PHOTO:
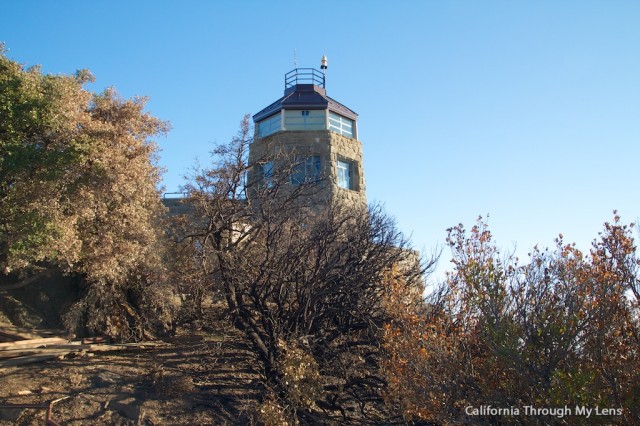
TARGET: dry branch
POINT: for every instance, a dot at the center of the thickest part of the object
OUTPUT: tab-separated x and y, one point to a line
32	343
20	333
14	362
15	353
34	350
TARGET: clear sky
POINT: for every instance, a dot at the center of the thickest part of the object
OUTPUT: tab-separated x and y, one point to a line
528	111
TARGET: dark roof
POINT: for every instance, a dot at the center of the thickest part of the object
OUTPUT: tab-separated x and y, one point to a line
305	96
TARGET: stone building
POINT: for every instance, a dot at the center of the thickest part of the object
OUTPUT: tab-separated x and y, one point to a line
306	142
312	135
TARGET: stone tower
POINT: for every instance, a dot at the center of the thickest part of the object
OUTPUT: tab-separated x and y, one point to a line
316	136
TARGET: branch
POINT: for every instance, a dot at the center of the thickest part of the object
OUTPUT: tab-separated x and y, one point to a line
28	281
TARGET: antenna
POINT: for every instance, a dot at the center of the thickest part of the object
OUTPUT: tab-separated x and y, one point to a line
295	58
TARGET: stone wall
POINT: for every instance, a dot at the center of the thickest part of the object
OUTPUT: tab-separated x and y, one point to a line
330	147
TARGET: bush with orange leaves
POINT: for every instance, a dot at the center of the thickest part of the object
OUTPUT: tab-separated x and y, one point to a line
560	330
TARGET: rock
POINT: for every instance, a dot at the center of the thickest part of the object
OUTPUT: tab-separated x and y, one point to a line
128	407
105	379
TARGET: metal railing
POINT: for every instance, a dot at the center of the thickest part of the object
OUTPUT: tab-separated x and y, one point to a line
304	76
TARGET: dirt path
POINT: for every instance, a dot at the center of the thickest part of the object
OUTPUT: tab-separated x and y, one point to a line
200	377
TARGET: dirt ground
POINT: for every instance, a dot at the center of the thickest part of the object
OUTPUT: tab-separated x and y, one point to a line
200	377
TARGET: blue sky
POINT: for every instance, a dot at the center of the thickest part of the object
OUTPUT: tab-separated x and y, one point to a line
527	111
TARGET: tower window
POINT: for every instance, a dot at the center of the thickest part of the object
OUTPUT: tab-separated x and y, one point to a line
266	174
345	174
306	170
340	124
304	120
269	125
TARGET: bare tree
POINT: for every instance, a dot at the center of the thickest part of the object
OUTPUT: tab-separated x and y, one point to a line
302	281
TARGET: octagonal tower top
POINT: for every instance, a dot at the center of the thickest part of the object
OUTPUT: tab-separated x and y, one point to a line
306	106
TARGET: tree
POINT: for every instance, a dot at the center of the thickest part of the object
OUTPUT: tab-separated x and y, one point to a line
302	283
559	330
612	344
78	188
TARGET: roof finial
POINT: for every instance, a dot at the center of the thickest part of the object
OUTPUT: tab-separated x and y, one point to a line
324	63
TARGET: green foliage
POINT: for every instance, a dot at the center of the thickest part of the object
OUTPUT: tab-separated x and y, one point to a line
78	180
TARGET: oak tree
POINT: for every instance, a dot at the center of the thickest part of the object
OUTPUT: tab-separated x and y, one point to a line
78	191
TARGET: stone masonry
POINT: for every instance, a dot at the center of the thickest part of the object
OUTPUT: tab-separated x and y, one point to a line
330	147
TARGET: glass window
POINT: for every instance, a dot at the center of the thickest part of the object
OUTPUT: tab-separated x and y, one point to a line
345	174
340	124
267	174
304	119
306	170
269	125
